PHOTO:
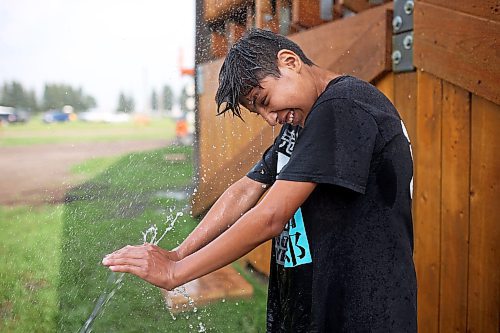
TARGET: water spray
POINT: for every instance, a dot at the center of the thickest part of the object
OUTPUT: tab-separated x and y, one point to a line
115	280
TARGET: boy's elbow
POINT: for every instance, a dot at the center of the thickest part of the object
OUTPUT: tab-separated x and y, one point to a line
273	222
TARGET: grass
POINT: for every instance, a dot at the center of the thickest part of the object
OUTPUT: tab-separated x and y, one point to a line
29	269
94	166
112	210
50	272
37	132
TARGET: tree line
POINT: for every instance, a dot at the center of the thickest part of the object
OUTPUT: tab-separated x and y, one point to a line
56	96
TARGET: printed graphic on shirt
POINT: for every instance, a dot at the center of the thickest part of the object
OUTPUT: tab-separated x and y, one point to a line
292	246
405	132
288	139
297	252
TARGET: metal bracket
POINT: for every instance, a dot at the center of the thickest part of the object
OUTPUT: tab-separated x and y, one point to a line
402	39
326	10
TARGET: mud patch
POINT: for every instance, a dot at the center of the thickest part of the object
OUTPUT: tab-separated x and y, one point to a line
6	310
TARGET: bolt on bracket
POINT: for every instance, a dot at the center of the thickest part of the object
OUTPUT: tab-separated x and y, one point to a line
402	39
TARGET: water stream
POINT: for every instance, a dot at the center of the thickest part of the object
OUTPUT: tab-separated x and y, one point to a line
115	280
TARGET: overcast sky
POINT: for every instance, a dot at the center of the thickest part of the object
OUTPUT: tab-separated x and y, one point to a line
103	46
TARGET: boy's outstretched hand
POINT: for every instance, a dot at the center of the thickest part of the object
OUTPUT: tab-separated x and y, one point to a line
147	261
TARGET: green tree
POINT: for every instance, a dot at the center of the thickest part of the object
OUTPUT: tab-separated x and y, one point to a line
32	102
168	98
125	104
154	101
13	94
55	96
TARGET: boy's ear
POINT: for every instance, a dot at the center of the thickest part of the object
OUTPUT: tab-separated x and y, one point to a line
289	59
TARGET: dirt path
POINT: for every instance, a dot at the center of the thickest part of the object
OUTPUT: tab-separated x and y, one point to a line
41	173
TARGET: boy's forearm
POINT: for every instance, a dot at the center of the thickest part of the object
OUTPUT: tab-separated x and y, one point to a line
263	222
250	231
266	220
232	204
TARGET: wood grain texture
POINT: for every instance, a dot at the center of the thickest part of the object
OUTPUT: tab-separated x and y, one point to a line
386	85
488	9
346	43
306	13
405	101
458	47
484	261
359	5
260	258
227	146
218	44
454	209
428	200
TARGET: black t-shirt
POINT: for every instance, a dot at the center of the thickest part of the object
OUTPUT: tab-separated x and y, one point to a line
344	262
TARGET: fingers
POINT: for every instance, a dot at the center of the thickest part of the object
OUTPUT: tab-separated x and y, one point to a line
130	251
135	270
123	261
140	256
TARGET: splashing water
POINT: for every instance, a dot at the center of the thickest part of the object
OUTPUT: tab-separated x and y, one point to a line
113	283
115	280
191	304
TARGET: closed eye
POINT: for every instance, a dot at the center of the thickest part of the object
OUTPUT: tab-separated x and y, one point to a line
264	101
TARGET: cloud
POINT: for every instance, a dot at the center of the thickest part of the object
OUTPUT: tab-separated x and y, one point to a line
103	46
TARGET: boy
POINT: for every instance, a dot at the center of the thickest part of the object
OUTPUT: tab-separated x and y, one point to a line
338	206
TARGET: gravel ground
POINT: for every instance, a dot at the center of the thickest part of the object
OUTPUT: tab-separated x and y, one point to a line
39	174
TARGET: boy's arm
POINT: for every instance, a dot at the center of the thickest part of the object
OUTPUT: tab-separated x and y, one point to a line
261	223
231	205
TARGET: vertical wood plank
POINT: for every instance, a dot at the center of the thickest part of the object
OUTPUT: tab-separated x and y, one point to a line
405	100
454	208
484	273
427	199
218	43
306	14
386	86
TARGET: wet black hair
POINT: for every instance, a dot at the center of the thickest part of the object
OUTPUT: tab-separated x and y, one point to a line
250	60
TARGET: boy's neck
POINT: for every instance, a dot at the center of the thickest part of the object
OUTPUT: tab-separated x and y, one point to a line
321	77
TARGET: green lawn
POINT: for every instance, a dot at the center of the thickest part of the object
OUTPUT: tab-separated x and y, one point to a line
50	271
37	132
29	267
112	210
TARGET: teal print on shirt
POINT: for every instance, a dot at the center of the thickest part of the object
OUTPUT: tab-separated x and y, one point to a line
297	252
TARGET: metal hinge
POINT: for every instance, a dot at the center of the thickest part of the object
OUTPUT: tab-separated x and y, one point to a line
402	38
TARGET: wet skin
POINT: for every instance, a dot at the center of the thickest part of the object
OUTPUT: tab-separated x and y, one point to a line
236	224
289	97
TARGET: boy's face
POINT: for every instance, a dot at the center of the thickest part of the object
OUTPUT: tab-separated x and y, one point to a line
287	99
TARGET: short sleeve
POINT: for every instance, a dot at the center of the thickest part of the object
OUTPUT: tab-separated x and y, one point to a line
335	146
264	171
